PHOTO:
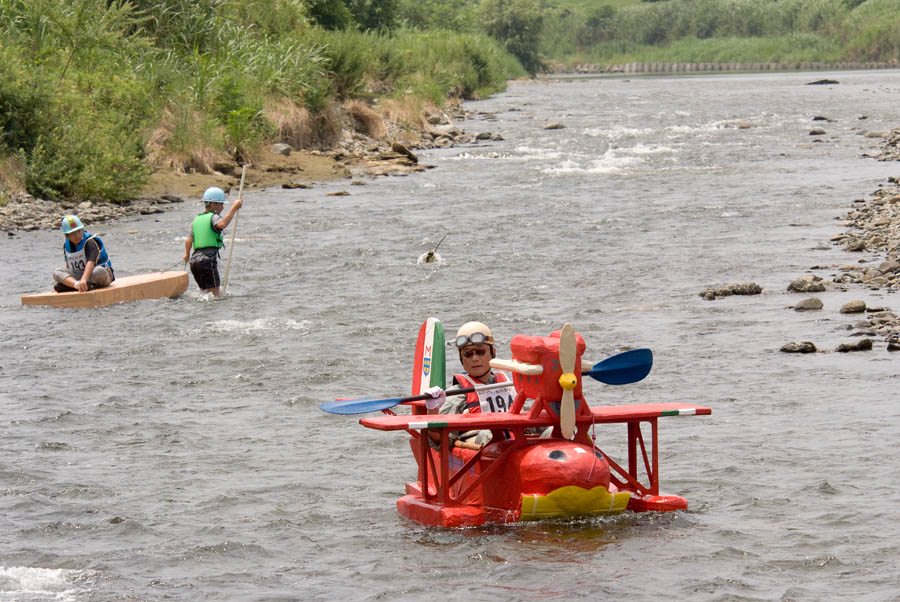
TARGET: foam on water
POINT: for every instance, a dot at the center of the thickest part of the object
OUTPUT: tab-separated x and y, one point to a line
22	584
257	325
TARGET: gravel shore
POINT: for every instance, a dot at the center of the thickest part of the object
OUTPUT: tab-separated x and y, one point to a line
357	156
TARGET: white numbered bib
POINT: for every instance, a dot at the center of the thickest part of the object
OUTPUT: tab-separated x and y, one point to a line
497	400
76	261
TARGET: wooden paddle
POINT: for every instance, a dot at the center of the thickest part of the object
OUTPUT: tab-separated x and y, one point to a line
361	406
234	231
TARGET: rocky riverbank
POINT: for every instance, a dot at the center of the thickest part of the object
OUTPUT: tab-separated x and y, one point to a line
872	231
356	157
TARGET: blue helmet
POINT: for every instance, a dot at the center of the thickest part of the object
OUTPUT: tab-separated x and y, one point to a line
214	194
71	223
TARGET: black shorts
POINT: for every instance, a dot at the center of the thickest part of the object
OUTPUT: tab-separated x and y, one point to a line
205	268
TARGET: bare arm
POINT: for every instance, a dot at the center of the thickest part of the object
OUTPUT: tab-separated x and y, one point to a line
82	285
229	215
187	247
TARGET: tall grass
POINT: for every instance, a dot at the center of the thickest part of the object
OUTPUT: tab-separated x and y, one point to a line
96	93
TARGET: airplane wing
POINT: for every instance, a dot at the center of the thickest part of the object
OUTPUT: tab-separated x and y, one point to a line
503	420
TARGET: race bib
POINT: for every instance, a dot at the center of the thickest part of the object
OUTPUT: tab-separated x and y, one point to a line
497	400
76	262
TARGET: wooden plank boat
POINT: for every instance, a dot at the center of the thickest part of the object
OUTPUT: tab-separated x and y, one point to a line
128	288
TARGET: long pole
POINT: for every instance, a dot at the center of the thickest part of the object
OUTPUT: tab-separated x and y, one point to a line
234	231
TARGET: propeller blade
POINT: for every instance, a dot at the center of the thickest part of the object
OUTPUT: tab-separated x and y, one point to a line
623	368
361	406
568	381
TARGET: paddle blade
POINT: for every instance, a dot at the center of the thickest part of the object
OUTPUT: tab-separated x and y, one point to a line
358	406
623	368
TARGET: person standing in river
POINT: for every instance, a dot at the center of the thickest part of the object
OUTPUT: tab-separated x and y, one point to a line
87	262
206	239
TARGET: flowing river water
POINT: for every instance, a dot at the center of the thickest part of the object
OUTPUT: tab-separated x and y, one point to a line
174	449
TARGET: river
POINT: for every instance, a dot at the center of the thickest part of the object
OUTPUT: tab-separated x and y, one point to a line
174	449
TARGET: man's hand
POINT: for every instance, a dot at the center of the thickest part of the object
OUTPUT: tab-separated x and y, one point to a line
438	397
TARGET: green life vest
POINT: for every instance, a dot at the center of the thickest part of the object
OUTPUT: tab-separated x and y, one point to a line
204	234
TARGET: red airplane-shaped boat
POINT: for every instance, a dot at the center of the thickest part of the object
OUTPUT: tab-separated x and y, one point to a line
520	476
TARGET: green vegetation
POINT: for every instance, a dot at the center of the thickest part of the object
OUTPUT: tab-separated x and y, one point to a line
94	94
723	31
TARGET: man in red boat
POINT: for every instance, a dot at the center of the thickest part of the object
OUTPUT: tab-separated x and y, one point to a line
87	262
475	343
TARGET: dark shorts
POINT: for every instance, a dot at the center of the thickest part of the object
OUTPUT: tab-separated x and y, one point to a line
205	268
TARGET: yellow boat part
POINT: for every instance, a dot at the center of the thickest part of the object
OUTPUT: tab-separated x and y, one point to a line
573	501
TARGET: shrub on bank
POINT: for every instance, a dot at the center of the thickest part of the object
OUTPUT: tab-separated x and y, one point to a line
96	93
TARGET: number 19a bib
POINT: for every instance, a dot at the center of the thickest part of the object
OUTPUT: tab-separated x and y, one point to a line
497	400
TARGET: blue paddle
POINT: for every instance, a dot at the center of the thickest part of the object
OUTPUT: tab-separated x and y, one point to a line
361	406
620	369
623	368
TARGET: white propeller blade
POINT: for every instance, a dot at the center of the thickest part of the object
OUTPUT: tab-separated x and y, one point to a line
568	381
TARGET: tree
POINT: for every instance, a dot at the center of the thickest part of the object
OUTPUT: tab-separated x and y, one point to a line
374	15
329	14
517	24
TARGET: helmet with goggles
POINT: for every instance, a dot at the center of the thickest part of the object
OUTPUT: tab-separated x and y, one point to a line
474	333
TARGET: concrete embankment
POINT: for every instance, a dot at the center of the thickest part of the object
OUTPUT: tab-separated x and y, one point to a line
660	67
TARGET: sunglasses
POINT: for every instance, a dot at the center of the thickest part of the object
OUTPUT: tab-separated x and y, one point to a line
473	352
476	338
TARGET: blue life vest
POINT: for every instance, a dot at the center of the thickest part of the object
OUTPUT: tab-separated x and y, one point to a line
76	259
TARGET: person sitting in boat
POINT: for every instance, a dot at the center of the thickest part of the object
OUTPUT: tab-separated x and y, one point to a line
87	262
475	343
206	239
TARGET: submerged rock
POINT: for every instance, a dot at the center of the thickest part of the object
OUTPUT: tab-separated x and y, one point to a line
746	288
795	347
863	345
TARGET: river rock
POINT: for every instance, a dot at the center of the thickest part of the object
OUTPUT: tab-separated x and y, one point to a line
810	304
889	267
747	288
795	347
863	345
853	307
809	283
400	148
282	149
854	245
